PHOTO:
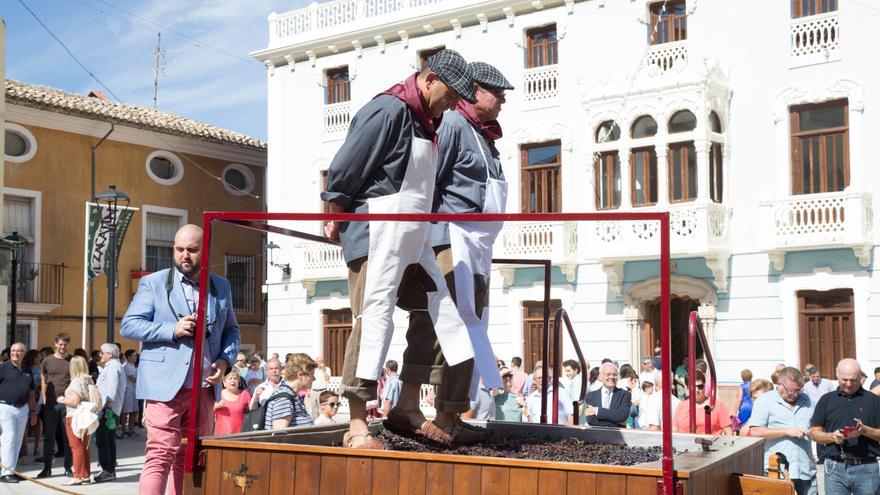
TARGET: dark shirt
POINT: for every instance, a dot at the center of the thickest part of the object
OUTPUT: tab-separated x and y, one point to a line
371	163
57	374
874	384
15	384
835	411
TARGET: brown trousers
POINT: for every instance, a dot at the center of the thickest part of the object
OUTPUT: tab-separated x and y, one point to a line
79	447
423	360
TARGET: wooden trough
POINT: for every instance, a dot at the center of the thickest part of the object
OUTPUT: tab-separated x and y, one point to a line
304	462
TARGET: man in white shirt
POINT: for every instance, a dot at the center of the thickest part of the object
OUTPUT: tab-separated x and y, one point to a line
533	402
265	389
111	384
572	371
322	380
651	407
649	373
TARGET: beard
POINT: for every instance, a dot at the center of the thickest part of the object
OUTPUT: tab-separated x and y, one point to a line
191	269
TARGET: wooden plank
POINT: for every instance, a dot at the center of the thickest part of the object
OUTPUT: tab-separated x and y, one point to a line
412	478
190	480
638	485
234	462
582	484
495	481
760	485
466	479
438	478
523	481
358	476
333	474
282	477
212	471
612	484
308	475
258	464
551	482
386	476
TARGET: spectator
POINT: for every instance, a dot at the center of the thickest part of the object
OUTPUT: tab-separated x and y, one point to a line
846	423
758	388
595	382
95	365
817	386
79	351
743	399
483	405
529	385
129	401
17	405
111	385
508	405
533	401
274	356
651	407
782	416
681	372
629	381
657	358
391	391
229	410
876	380
518	381
31	361
265	389
55	377
610	405
162	315
329	403
719	419
299	373
79	390
572	371
322	380
649	373
701	365
256	374
241	364
4	355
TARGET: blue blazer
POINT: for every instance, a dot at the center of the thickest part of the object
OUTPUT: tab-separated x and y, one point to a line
151	318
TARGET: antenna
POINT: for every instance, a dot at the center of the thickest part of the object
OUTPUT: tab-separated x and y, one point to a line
158	68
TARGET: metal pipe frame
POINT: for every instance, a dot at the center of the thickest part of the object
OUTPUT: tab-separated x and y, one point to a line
562	316
194	461
695	331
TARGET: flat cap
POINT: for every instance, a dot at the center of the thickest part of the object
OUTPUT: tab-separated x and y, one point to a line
488	76
454	71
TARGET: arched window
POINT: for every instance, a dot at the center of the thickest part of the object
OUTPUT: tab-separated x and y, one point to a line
164	167
643	169
238	179
644	126
682	121
714	122
607	181
608	131
20	144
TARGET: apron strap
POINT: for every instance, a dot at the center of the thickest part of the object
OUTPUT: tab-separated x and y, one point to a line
482	152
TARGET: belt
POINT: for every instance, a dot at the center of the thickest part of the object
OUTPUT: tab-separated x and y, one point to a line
854	461
5	403
319	389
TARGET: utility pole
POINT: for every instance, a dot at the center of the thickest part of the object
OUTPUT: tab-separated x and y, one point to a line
158	68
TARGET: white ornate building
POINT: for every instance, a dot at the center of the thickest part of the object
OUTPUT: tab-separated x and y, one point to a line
747	124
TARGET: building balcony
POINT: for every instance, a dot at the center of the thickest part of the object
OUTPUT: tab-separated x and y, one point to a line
554	241
815	39
541	85
337	117
40	288
321	262
818	221
696	230
667	56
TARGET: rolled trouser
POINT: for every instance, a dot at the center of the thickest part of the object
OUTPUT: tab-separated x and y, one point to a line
423	360
13	424
352	387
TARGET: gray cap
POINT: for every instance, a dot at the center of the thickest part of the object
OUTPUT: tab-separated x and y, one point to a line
488	76
454	71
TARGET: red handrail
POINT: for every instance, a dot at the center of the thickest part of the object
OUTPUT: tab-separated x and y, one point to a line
562	316
695	330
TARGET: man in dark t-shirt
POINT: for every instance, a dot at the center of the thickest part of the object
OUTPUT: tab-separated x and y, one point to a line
54	380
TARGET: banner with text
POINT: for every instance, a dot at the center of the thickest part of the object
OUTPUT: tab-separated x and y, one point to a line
98	236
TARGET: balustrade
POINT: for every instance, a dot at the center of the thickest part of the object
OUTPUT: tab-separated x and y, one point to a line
337	117
815	35
541	84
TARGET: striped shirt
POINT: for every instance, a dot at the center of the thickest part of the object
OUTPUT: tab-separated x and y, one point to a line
282	409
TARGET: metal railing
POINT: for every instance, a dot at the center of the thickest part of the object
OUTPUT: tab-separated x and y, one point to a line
562	316
695	330
40	283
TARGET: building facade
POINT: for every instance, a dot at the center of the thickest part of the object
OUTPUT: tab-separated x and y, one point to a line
749	127
171	167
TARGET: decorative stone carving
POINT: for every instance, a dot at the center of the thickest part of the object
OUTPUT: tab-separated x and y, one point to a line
310	286
680	285
537	4
312	56
614	273
831	90
358	48
456	27
270	66
333	48
508	12
484	22
507	275
719	265
428	28
291	62
404	38
569	270
380	42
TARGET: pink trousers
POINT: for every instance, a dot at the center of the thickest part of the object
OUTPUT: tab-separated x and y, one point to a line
166	427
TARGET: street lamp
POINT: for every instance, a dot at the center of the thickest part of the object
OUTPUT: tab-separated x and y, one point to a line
114	200
14	241
285	267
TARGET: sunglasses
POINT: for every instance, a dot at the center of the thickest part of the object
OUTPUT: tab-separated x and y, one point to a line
333	405
699	386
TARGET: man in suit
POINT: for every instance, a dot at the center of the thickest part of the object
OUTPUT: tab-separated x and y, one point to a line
608	406
162	315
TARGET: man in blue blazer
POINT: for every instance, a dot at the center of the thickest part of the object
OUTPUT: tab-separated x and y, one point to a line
162	315
608	406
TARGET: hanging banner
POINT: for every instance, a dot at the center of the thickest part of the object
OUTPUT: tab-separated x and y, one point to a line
98	236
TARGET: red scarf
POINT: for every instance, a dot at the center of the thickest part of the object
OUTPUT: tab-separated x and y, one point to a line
409	93
490	130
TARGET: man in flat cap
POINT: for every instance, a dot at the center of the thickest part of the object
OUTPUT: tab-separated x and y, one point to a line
388	164
469	180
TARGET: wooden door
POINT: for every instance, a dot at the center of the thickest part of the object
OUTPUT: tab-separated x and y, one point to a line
680	310
533	332
826	327
337	329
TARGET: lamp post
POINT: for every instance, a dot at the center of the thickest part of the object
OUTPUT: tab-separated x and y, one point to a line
14	241
113	199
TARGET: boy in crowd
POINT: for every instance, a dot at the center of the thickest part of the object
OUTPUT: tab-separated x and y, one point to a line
328	402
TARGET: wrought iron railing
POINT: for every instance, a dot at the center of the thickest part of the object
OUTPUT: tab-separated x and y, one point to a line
40	283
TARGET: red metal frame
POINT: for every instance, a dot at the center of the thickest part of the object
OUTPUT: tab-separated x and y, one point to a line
259	221
695	330
562	317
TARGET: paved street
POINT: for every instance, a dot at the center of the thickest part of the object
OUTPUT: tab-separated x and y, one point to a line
131	458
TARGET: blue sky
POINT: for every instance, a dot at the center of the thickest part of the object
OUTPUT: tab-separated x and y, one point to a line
228	90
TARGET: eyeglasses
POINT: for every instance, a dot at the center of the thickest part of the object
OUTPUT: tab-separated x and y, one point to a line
332	405
700	386
789	391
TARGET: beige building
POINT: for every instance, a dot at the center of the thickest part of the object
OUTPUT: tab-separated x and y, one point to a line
171	167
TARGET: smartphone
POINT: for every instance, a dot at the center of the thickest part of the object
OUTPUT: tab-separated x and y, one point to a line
847	430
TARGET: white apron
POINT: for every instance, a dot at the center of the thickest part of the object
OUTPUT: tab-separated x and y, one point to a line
393	247
471	244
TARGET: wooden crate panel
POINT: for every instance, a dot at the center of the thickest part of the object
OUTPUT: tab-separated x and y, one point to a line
413	478
523	481
466	479
308	475
234	462
551	482
495	480
358	476
582	483
438	478
282	478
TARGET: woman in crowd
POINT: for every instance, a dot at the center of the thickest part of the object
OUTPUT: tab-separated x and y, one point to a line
229	411
629	380
757	388
31	361
298	376
743	399
78	391
719	417
129	399
508	405
595	384
256	374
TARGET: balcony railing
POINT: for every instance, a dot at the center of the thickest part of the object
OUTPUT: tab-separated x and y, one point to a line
818	221
40	283
322	261
554	241
815	38
541	84
667	55
337	117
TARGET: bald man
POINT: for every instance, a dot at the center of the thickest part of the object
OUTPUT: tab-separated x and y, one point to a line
162	315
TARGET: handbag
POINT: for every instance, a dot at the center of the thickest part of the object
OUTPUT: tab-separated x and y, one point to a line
95	398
